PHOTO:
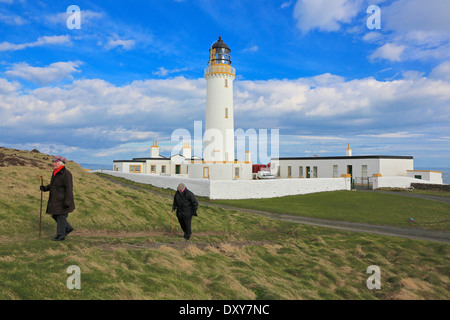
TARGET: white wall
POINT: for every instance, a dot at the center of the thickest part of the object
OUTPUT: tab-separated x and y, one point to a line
255	189
433	177
239	189
395	167
395	182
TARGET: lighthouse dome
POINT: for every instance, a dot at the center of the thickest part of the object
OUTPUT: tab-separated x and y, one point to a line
220	44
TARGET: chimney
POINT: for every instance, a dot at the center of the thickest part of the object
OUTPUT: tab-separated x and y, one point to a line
154	150
187	153
348	152
248	156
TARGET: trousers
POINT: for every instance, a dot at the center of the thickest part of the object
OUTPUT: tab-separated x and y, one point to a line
185	223
61	224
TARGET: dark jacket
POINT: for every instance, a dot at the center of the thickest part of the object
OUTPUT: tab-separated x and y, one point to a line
60	200
185	204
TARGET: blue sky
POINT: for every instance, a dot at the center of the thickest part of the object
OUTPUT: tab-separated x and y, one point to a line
133	73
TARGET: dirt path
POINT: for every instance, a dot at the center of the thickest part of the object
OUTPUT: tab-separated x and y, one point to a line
410	233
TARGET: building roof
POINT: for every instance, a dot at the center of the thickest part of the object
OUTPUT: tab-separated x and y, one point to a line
345	157
141	159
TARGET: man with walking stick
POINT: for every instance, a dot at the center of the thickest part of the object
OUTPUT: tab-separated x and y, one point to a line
186	205
60	200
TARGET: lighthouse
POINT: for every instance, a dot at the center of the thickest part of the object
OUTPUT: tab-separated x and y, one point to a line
219	119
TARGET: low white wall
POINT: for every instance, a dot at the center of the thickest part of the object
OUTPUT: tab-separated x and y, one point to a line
255	189
239	189
199	187
395	182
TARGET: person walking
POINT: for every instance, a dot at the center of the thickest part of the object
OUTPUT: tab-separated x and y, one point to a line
186	205
60	200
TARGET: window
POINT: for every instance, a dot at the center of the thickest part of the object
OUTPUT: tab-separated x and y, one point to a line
300	172
314	172
206	172
236	172
278	171
135	169
289	172
226	113
163	169
417	176
153	168
364	171
226	83
335	171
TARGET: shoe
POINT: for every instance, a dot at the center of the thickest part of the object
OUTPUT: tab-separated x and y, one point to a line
69	231
58	238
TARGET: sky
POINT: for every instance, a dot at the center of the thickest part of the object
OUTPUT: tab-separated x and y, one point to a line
103	83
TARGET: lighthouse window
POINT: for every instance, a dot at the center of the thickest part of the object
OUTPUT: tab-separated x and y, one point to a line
226	112
226	83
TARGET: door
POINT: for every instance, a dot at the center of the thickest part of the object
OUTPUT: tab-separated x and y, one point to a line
350	170
308	172
177	168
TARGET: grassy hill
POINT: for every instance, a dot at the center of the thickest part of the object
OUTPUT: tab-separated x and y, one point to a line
125	249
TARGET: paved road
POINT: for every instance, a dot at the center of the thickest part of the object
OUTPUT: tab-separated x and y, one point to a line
410	233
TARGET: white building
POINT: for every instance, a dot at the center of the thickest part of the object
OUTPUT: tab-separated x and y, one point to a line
362	169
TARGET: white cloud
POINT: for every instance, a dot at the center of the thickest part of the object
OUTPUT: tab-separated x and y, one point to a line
43	75
125	44
251	49
422	26
325	15
394	135
163	72
407	16
389	51
41	41
442	71
286	4
12	19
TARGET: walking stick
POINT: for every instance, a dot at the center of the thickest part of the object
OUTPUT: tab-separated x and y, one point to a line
171	227
40	213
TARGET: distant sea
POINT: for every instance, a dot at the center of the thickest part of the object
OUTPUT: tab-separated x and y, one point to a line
445	173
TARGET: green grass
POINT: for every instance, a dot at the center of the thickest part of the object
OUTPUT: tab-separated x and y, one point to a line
354	206
125	250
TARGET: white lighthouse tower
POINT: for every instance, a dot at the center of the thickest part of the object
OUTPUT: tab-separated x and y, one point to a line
219	119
